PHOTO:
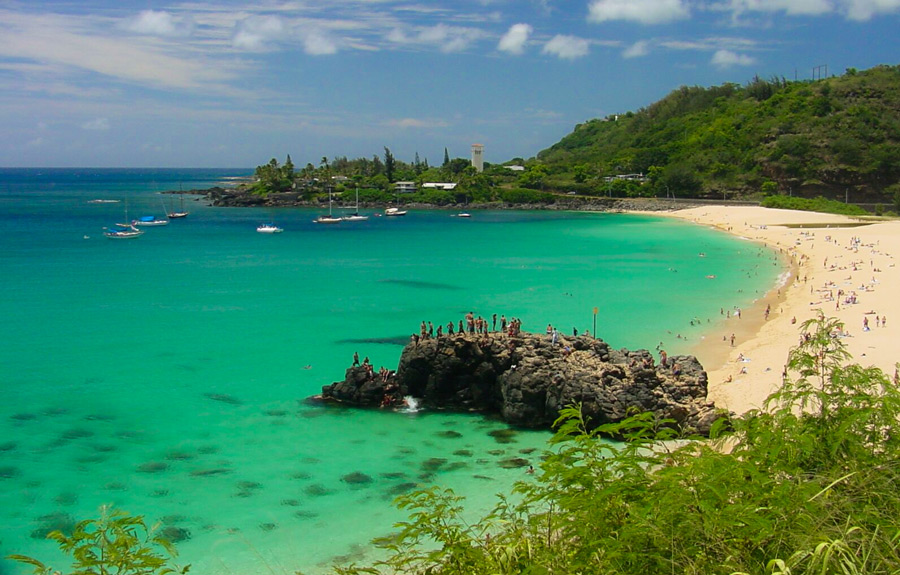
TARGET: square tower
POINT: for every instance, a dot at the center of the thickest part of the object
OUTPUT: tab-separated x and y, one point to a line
478	157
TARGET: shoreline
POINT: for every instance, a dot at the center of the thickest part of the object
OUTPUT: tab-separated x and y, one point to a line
826	255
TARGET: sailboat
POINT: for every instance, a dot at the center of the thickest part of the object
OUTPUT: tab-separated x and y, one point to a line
123	231
329	219
151	220
180	213
356	216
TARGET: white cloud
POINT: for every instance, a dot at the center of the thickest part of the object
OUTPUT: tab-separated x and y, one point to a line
566	47
317	43
60	42
96	125
641	11
862	10
257	33
859	10
513	42
416	123
727	59
155	23
637	50
446	38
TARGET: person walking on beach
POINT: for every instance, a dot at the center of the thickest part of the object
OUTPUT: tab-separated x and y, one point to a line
732	340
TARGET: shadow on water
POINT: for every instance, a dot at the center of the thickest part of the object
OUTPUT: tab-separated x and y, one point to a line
401	340
421	284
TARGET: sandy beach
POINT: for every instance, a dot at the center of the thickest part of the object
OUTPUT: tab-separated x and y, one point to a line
842	266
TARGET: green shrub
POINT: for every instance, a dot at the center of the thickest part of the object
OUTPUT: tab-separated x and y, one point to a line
819	204
115	544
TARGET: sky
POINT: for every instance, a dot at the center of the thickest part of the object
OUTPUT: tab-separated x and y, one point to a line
234	83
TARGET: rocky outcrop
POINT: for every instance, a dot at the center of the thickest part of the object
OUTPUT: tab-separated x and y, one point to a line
527	379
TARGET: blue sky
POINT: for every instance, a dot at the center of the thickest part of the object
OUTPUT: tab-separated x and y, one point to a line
228	83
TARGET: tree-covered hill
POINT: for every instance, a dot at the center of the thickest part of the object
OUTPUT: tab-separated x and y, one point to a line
832	137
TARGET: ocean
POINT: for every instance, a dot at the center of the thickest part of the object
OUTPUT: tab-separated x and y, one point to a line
168	375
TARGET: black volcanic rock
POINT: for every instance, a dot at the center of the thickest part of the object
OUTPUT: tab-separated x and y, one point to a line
527	380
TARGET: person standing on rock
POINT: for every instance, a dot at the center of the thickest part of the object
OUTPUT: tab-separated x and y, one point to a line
663	357
355	358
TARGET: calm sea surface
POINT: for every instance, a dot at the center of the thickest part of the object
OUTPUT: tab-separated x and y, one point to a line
167	375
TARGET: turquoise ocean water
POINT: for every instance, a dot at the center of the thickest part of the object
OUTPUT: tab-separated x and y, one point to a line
167	375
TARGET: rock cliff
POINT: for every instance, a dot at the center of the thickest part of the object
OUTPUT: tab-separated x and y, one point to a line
527	379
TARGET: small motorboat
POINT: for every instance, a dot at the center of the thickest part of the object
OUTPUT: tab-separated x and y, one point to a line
394	212
269	229
463	215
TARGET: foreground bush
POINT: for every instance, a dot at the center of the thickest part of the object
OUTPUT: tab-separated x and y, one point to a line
809	485
115	544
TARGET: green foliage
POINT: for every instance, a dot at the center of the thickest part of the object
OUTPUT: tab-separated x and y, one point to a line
115	544
807	486
523	196
274	178
816	138
813	205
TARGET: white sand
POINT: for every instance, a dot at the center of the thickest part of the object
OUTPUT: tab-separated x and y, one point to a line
858	260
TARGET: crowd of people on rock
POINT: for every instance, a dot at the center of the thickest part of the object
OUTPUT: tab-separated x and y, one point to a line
470	324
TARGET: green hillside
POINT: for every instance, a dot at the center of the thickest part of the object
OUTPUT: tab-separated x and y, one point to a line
834	137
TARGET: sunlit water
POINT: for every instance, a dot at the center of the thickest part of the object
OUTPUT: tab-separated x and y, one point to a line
168	374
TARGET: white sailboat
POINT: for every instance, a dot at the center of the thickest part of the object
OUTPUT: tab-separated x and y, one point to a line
151	220
329	219
179	213
123	231
356	216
